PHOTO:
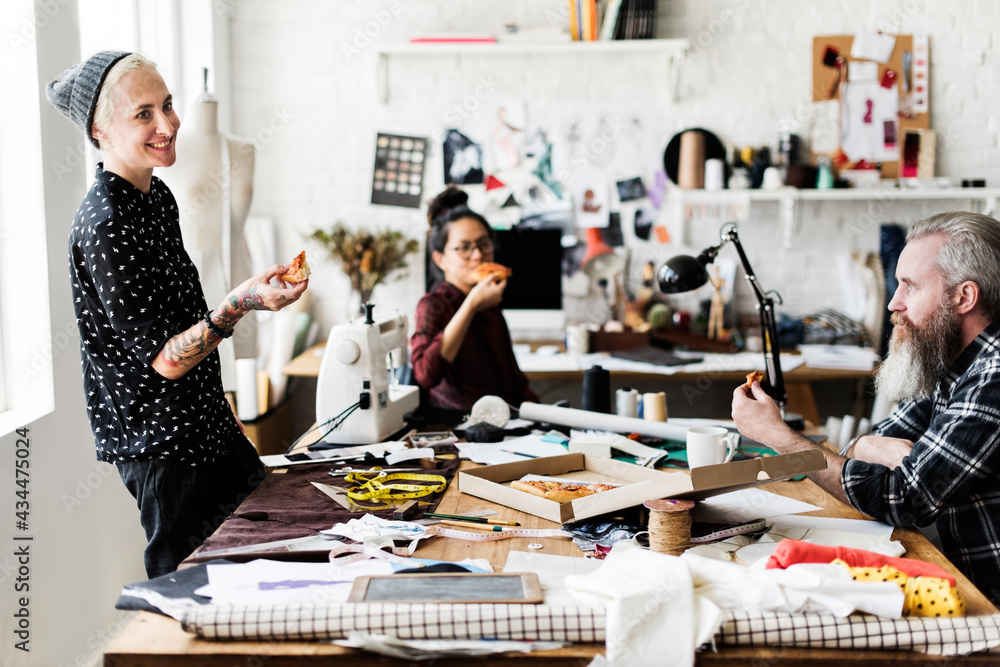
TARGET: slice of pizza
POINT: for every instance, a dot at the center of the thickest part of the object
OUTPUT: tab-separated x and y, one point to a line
298	270
488	269
564	493
754	376
535	487
597	488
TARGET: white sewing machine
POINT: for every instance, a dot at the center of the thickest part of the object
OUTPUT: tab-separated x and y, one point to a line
354	372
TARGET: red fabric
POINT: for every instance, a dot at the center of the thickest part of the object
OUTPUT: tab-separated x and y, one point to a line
485	364
790	552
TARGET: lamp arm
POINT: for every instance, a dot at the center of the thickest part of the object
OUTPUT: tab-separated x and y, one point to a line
768	322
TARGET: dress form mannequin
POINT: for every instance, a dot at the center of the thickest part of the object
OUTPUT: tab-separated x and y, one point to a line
212	181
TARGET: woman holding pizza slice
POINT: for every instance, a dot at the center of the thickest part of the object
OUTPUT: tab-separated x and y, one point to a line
461	346
147	337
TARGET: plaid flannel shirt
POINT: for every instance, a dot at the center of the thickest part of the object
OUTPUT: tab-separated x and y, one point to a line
952	474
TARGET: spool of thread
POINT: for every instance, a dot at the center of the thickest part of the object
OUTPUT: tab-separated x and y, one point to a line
714	174
847	425
627	402
246	389
691	162
669	525
654	406
597	390
833	426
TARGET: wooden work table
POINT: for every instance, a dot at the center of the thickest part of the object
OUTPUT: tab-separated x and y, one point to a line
798	381
151	640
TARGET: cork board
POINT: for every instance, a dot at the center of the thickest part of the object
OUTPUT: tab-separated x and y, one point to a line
825	83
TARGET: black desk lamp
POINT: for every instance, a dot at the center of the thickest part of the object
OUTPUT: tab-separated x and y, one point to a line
684	273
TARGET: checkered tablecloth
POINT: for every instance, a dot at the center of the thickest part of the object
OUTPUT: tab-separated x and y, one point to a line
936	636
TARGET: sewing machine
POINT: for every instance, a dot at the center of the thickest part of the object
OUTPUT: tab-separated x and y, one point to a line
354	385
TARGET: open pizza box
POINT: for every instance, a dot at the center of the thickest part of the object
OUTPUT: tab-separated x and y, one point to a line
638	484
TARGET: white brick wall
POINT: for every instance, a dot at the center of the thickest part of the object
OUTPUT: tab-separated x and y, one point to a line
749	74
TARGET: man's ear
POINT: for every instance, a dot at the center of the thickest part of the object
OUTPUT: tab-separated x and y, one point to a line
98	134
966	297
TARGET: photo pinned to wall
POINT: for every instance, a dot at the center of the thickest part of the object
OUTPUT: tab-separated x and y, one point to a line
644	219
613	234
463	159
397	179
590	200
630	189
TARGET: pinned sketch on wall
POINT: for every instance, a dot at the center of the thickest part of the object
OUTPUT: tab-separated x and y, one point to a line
463	159
613	138
498	126
868	122
397	179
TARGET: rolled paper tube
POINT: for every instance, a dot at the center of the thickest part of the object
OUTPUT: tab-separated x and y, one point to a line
691	162
583	419
654	406
627	403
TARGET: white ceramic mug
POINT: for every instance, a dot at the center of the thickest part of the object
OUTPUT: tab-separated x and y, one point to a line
710	445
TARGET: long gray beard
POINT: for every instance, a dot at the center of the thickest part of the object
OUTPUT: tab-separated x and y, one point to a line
918	358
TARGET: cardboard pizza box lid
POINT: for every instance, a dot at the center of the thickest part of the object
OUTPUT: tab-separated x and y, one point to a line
638	484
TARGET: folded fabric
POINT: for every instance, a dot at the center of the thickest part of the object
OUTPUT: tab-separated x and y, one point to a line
922	596
821	588
647	596
790	552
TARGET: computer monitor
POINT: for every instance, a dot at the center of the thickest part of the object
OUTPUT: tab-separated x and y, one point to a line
533	299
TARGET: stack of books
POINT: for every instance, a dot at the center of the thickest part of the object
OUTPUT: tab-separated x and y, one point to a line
592	20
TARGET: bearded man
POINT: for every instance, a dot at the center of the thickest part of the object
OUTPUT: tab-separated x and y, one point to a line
936	459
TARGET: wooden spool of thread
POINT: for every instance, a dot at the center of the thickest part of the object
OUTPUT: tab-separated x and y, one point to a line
669	525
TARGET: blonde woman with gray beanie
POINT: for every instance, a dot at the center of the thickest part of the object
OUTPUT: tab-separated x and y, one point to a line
150	370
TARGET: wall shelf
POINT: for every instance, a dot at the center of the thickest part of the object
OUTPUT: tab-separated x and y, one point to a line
672	49
849	194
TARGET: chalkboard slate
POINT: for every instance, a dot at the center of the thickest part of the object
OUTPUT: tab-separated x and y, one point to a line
449	587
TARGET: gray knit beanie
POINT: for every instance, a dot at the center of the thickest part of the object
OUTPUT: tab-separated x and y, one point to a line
74	92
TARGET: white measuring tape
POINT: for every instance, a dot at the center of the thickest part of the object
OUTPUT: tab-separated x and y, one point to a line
490	536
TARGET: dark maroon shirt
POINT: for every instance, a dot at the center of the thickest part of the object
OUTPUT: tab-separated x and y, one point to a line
485	363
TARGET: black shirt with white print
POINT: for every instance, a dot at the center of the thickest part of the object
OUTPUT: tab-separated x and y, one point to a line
134	288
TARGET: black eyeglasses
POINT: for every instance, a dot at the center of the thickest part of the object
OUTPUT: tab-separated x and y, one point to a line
464	251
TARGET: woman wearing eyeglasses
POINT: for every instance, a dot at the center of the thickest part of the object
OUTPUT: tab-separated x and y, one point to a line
461	347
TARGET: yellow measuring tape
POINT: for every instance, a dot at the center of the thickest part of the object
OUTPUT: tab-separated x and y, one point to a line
379	484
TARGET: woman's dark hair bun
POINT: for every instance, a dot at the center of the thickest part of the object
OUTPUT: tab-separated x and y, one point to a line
451	197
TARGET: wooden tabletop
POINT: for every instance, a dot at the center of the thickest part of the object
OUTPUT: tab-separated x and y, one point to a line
307	365
151	640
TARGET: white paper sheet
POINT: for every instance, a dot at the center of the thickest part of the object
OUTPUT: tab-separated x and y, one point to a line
872	46
839	356
274	582
857	534
862	70
551	570
747	504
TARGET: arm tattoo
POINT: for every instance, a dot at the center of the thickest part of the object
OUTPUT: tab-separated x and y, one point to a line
189	347
248	300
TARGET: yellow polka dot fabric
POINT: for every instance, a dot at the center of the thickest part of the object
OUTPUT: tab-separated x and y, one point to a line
923	596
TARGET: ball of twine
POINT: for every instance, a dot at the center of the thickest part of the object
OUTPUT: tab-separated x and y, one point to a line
492	410
669	525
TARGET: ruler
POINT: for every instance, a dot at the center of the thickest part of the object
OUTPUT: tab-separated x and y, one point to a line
489	536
